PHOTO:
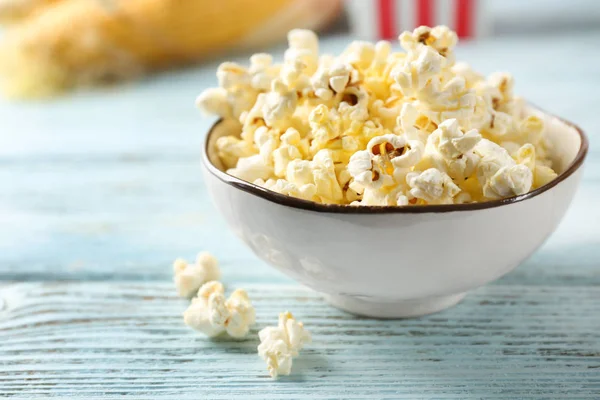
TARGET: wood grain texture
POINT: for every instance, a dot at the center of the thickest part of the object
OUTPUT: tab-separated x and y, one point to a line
101	191
127	340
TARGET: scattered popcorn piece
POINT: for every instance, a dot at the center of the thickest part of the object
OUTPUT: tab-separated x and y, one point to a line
212	314
203	313
278	345
241	314
376	127
189	277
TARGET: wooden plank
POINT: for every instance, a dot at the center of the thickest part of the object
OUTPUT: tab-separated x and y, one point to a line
127	340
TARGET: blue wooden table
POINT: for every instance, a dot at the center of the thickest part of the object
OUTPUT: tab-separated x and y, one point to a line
99	192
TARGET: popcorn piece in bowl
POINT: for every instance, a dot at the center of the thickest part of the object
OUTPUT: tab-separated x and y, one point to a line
212	314
278	345
499	175
376	127
189	277
432	186
450	150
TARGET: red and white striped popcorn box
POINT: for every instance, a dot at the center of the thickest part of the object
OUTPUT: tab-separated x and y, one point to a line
386	19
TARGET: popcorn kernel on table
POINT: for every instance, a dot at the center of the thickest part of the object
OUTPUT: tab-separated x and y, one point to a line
189	277
376	127
212	314
278	345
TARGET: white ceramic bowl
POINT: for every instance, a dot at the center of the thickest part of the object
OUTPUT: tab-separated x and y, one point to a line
392	262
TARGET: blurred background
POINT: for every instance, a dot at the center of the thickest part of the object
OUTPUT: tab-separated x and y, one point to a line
100	139
52	46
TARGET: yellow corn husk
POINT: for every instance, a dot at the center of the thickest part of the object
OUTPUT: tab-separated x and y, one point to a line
13	11
80	42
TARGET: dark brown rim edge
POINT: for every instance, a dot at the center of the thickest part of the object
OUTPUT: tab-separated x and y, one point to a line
294	202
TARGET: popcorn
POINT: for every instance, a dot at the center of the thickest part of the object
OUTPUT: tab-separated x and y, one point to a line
366	173
251	168
214	101
278	345
235	80
354	105
440	38
465	71
531	128
499	175
211	314
463	198
189	277
542	174
262	72
300	172
526	155
504	84
325	179
232	75
324	127
240	314
266	140
382	197
282	157
306	192
508	181
413	76
279	105
452	99
203	314
281	150
303	46
332	80
452	142
376	127
450	150
359	54
385	162
231	149
432	186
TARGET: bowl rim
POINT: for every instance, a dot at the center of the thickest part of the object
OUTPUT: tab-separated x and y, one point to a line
308	205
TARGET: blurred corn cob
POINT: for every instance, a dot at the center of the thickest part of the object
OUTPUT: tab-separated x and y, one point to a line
12	11
83	42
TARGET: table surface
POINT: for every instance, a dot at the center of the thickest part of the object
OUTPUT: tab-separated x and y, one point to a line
100	191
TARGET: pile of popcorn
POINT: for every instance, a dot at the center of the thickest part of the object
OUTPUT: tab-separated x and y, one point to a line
212	314
376	127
